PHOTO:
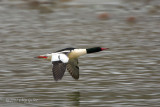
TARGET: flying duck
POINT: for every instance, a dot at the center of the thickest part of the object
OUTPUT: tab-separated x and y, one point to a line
67	58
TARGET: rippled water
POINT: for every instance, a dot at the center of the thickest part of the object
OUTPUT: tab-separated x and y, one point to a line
127	75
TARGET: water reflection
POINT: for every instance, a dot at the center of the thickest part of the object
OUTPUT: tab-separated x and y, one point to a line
74	98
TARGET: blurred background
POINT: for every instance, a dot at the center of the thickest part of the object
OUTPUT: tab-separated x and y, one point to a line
127	75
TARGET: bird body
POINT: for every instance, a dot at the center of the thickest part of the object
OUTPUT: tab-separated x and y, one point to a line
67	58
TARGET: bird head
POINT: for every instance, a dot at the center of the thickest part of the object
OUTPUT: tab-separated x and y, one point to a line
95	49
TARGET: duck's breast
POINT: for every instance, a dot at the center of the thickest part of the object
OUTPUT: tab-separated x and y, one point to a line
77	52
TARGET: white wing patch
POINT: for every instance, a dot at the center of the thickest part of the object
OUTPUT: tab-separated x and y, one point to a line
64	58
59	57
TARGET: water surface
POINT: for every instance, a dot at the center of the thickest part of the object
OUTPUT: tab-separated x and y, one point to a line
127	75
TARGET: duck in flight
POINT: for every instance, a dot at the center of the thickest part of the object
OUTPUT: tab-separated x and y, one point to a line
67	58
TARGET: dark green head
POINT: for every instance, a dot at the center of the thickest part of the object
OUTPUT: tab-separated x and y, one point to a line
95	49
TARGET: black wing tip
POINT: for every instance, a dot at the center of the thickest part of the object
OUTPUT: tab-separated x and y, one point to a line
76	78
57	79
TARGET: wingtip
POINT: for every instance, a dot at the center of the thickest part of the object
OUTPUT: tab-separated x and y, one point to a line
57	79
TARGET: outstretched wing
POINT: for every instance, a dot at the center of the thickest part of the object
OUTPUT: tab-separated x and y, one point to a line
59	62
73	69
58	70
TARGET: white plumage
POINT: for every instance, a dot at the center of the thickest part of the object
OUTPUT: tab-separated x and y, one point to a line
59	57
